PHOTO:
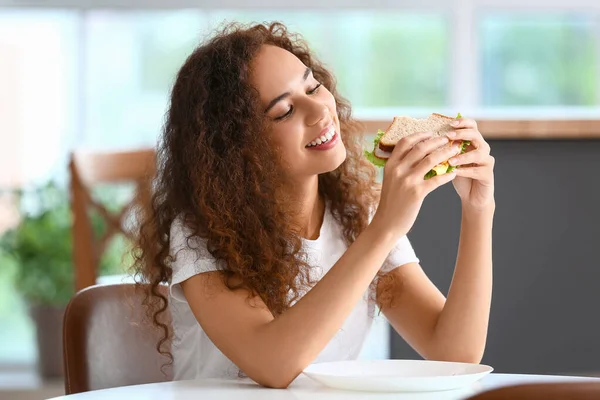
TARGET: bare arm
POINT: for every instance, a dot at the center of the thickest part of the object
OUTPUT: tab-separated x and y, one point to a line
273	351
454	329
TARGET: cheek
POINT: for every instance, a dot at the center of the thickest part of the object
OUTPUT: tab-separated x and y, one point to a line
287	137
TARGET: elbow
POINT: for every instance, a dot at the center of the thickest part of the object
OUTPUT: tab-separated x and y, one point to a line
471	356
276	382
275	370
474	358
471	352
275	379
459	358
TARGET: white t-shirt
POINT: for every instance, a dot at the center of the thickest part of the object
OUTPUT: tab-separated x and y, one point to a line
195	355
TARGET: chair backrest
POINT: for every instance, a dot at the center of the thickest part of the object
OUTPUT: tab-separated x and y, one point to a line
544	391
106	343
90	169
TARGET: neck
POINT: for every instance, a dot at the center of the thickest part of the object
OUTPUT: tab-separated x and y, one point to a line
311	207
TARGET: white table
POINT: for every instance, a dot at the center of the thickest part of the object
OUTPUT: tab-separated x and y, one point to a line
302	388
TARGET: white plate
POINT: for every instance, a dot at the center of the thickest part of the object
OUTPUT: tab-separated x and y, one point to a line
397	375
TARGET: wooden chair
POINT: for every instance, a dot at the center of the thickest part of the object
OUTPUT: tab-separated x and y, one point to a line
88	169
108	343
544	391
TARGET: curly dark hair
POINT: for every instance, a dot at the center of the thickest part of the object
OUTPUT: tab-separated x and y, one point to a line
216	169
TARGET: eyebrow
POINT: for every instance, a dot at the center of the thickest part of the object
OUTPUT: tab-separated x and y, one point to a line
286	94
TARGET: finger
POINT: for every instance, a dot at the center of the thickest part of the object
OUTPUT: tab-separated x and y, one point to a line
478	157
424	148
479	173
464	123
439	180
406	143
435	158
472	135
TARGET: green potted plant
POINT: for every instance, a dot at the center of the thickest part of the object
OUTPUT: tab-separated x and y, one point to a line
41	247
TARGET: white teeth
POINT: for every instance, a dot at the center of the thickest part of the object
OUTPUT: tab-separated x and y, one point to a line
323	139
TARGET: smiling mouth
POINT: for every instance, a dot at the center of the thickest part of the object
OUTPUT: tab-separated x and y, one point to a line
323	138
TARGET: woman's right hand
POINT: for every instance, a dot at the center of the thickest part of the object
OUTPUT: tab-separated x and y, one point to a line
404	186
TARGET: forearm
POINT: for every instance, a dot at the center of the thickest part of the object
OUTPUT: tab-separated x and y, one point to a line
461	329
293	340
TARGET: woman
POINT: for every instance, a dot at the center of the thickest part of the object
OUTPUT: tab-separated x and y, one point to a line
273	234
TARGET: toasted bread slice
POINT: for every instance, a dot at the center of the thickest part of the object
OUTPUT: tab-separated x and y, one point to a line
404	126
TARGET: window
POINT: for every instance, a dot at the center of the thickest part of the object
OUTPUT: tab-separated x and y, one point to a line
380	59
37	99
38	95
131	59
539	60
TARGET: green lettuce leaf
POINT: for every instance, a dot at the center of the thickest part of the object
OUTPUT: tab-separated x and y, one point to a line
380	134
370	155
378	162
430	174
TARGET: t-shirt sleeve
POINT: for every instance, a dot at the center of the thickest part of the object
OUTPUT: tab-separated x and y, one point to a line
189	257
402	253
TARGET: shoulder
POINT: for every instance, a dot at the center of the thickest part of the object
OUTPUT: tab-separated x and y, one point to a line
183	239
188	253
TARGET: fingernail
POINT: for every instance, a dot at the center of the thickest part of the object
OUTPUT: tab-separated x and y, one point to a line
454	123
451	134
452	161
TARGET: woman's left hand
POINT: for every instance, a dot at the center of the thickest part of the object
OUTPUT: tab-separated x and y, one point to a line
474	180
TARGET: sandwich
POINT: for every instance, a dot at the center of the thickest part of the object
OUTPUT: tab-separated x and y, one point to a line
385	141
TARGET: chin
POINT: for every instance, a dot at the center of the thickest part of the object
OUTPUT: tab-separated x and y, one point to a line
334	162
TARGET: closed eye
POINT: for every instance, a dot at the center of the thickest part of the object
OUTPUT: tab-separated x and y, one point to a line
291	109
314	90
287	114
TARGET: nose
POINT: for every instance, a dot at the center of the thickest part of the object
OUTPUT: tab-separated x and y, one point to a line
316	111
